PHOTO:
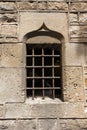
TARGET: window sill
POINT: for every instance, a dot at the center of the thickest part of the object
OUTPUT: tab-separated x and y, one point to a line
39	100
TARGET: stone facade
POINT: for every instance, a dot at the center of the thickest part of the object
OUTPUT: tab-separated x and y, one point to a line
20	17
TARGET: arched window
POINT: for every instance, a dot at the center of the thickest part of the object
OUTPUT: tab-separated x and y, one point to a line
43	64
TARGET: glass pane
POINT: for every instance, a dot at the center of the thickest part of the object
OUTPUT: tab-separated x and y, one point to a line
29	72
38	93
47	52
37	51
57	82
28	50
47	72
29	61
56	60
29	83
47	61
47	82
38	83
29	93
57	71
38	72
38	61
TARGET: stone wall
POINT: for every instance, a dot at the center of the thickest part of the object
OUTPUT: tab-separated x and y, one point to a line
19	17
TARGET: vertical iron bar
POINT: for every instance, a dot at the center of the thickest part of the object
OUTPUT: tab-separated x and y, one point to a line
33	75
43	71
53	73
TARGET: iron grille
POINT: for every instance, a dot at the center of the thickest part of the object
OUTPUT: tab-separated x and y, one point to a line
43	70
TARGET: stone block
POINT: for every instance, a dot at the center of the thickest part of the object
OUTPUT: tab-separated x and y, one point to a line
78	31
48	124
73	18
7	124
9	30
26	124
57	6
79	6
25	110
33	21
74	54
85	92
12	55
18	110
1	111
73	124
73	110
45	110
83	18
73	88
8	6
8	18
31	5
0	29
42	5
9	39
0	53
12	85
85	70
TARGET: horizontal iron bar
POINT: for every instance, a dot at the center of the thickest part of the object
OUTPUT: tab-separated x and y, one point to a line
45	88
52	66
44	77
42	55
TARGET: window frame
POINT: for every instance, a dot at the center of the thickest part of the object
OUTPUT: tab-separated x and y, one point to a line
54	44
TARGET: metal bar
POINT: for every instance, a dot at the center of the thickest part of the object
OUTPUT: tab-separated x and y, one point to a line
45	88
33	76
43	77
43	56
43	66
53	74
43	71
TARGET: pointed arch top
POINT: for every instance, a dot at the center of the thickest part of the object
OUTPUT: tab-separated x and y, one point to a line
44	31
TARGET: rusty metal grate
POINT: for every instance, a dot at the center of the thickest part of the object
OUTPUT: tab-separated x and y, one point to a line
43	70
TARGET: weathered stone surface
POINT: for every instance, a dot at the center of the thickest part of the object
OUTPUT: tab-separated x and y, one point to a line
11	85
33	110
79	6
78	31
26	125
73	110
85	93
7	6
9	30
1	110
73	84
83	18
48	124
42	5
73	124
8	18
73	17
57	6
33	21
12	55
78	39
58	110
7	125
26	5
74	54
0	53
85	82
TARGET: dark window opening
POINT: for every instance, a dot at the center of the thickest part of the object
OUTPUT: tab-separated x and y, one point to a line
43	70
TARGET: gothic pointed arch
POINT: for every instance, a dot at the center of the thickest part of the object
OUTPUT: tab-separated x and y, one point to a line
44	31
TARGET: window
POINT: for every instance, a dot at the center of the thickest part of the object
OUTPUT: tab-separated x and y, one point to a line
43	70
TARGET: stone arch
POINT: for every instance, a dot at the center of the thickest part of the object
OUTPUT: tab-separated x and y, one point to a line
44	31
